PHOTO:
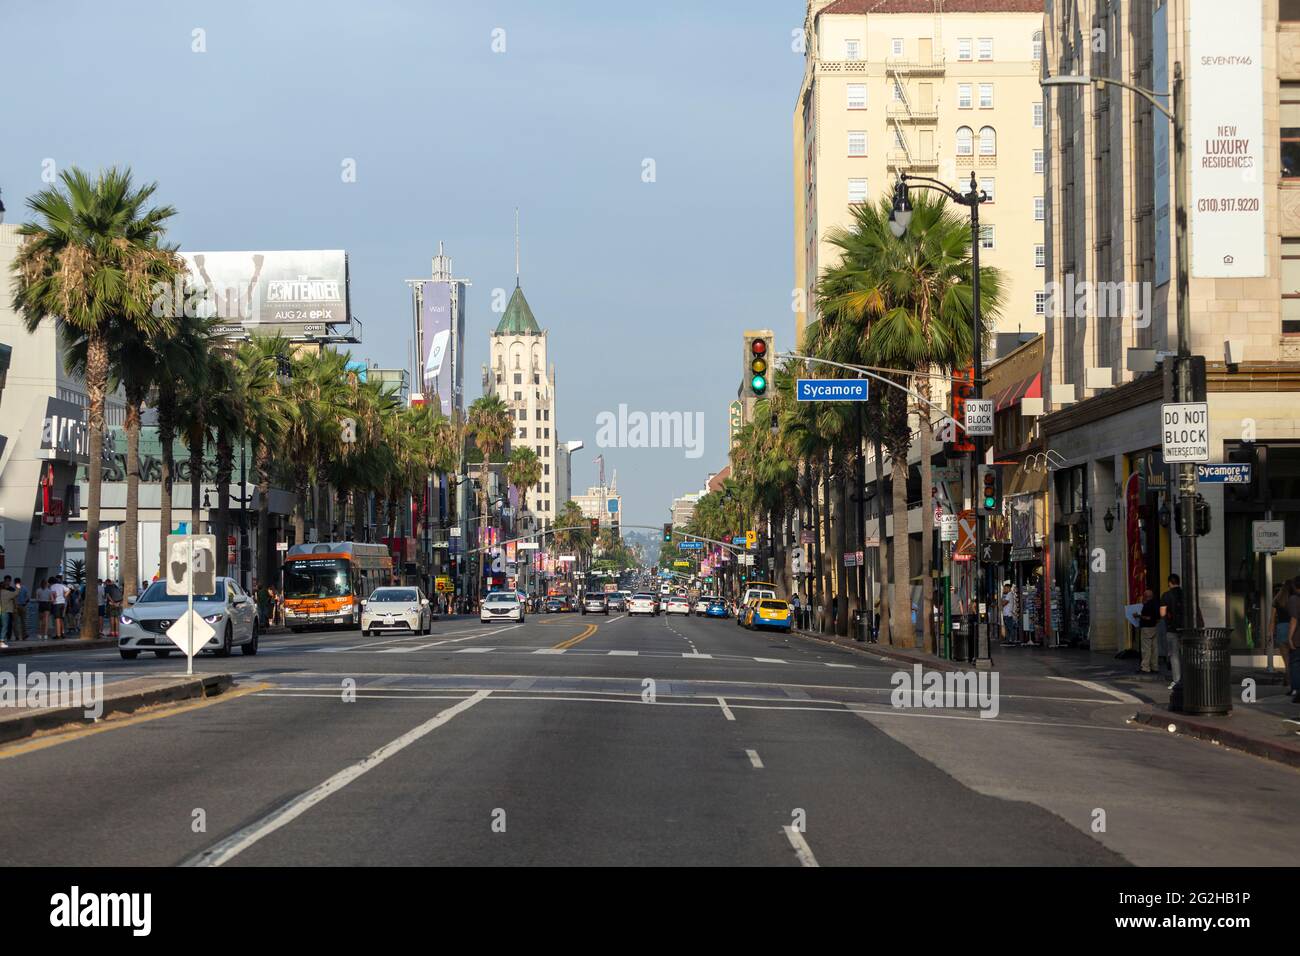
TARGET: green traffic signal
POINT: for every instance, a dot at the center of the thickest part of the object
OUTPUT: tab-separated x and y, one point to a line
759	384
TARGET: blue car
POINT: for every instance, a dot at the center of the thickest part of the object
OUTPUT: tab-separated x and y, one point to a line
716	609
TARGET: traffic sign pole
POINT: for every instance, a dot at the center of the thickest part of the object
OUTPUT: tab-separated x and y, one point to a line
189	611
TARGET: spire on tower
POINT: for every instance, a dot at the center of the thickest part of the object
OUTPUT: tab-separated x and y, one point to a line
516	247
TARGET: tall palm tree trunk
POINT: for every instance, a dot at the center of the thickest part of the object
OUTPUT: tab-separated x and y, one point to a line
166	437
879	550
261	465
830	554
840	522
131	529
221	526
96	385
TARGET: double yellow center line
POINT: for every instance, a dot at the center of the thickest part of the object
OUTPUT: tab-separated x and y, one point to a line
589	630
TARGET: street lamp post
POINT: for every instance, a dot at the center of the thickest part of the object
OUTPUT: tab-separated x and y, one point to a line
899	220
1184	385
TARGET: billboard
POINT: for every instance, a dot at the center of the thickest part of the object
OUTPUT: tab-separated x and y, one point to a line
1226	141
435	337
299	294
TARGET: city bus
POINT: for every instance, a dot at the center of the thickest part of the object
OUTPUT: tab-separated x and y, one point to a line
324	584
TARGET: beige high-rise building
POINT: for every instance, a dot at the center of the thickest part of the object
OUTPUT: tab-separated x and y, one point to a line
1112	312
938	88
520	375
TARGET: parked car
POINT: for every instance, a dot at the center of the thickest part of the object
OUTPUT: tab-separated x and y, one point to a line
396	609
230	612
643	603
501	606
594	603
702	605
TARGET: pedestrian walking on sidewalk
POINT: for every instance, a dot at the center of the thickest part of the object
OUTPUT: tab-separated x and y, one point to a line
43	608
58	605
1148	620
112	605
1280	626
1008	616
7	607
1293	638
1171	622
22	598
797	606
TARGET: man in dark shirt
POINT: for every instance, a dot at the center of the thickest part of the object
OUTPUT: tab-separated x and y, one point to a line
1147	621
1293	608
1171	617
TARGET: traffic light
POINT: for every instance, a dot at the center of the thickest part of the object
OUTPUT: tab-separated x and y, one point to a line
668	533
989	490
595	527
758	364
1200	517
1254	492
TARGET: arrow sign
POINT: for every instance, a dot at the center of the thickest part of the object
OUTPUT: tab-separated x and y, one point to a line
190	641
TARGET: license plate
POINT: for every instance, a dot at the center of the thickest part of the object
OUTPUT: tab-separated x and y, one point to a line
388	619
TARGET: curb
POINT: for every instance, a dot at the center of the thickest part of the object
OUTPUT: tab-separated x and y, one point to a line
52	718
1275	750
883	650
32	646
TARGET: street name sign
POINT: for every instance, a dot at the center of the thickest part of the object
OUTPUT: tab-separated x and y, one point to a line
831	390
527	546
690	546
979	417
1231	473
1268	536
1185	431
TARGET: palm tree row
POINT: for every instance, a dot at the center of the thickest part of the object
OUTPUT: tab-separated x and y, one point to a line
92	260
904	305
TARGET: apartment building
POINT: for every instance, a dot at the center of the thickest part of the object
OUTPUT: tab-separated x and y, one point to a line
938	88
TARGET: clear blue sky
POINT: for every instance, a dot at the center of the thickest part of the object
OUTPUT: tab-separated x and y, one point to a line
644	287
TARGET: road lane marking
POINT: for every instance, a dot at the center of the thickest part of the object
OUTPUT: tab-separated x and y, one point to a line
1119	695
579	638
801	848
474	650
699	656
769	660
753	759
549	650
726	711
113	723
226	850
624	653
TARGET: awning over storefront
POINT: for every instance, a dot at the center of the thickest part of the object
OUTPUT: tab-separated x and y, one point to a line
1023	481
1031	387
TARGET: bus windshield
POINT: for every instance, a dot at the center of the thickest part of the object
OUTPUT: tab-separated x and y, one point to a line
317	578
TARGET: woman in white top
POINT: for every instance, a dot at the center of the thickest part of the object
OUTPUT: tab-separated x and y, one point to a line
59	602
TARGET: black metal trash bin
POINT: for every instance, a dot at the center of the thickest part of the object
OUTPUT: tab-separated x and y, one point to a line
1207	667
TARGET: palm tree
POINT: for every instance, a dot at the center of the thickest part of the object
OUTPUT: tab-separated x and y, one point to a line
491	423
524	470
318	402
266	415
92	262
908	302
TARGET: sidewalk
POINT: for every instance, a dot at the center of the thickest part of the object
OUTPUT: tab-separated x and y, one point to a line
33	646
1261	728
19	720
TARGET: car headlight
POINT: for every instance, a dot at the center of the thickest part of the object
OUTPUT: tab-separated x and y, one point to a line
127	619
214	618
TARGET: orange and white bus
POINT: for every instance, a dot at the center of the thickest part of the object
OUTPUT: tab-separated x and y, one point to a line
324	584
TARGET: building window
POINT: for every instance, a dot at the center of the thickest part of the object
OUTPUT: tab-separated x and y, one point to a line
546	433
986	96
986	48
1038	115
546	487
1040	255
986	186
519	396
1040	303
1290	286
1290	131
965	141
518	379
1037	46
986	235
988	141
857	96
1040	210
963	48
538	433
899	141
523	433
896	46
852	50
857	190
537	378
546	469
857	143
963	96
1038	160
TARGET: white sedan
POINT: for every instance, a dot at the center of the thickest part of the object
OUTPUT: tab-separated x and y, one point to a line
396	609
678	604
501	606
642	604
229	611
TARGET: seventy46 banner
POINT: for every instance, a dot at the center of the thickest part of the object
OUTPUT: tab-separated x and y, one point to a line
1225	139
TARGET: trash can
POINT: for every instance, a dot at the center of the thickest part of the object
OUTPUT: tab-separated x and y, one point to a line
861	624
1207	664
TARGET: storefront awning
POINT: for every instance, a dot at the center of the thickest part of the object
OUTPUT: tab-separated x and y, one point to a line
1022	481
1030	387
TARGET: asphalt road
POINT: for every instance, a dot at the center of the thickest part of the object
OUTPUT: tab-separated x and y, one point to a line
594	740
